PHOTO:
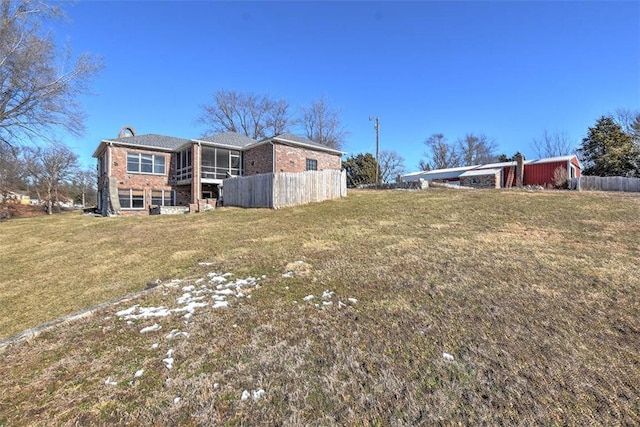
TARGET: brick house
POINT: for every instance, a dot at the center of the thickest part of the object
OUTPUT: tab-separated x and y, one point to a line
138	172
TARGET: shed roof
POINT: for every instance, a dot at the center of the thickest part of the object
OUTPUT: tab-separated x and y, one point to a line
449	173
552	159
481	172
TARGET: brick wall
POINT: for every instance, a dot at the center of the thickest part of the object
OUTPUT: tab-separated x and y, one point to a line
294	159
140	181
258	160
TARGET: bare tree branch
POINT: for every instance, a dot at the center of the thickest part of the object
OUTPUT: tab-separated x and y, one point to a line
440	154
553	145
391	165
39	85
322	124
476	150
256	116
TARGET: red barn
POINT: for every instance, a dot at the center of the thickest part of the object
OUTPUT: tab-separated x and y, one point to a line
541	171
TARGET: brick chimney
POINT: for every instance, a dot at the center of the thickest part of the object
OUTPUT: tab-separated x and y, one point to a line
519	169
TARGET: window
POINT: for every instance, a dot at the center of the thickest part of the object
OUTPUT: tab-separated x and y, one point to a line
183	164
312	165
130	198
146	163
163	198
219	163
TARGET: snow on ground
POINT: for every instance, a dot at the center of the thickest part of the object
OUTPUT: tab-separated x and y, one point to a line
215	291
327	295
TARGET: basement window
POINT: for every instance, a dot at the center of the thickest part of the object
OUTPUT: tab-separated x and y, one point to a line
163	198
312	165
131	198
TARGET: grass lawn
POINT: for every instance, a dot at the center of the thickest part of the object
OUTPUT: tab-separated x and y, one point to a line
533	296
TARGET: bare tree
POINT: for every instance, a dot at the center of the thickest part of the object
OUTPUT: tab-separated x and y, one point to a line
256	116
625	117
322	124
10	172
48	167
85	181
553	145
391	165
476	150
424	165
440	155
39	83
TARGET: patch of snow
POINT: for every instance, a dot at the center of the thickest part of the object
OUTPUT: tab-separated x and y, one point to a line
176	332
308	298
190	307
447	356
245	395
327	294
188	288
127	311
176	400
221	304
224	292
352	300
138	373
341	304
217	279
144	312
326	303
288	275
205	264
154	346
257	394
110	382
152	328
168	361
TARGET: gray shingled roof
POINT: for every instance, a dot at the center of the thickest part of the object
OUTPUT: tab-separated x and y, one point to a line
302	140
151	140
229	139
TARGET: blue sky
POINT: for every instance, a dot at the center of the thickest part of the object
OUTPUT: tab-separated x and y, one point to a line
508	69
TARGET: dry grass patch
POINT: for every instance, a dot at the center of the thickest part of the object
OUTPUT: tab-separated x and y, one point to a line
533	295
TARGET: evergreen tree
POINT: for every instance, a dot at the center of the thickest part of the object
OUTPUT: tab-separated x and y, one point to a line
608	150
361	170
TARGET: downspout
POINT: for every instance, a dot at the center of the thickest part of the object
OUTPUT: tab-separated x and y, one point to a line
273	167
273	157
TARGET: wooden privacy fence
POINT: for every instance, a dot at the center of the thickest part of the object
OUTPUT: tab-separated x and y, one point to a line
283	189
605	183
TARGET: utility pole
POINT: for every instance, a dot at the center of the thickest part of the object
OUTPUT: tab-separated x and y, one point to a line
376	126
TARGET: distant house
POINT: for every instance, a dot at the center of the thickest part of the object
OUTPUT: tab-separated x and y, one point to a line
22	199
503	175
139	172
